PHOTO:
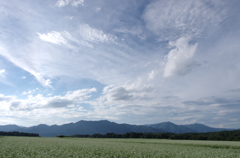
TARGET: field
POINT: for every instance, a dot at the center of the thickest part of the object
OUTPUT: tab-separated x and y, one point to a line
110	148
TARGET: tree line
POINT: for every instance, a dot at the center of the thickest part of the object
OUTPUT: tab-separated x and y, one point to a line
16	133
222	135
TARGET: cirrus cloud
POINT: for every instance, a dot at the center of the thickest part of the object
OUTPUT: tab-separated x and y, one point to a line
173	18
95	35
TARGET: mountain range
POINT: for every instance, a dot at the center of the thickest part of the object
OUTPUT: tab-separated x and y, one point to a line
104	126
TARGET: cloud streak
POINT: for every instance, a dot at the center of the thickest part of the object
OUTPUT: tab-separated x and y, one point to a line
95	35
53	37
64	39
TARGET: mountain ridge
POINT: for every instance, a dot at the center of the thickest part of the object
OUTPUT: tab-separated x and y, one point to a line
105	126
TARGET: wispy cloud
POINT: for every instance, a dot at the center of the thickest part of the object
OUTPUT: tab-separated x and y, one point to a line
63	39
53	37
80	95
173	19
95	35
137	31
27	92
2	72
75	3
24	61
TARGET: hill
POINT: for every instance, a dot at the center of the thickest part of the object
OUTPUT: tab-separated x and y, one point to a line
102	127
192	128
83	127
171	127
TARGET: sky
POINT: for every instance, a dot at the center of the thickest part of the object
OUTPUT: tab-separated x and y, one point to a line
136	62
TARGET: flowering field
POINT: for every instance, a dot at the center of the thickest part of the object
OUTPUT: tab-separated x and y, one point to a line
109	148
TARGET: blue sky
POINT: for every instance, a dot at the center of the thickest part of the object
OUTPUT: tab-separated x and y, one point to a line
135	62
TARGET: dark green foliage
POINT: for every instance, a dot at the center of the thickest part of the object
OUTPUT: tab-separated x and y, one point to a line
16	133
223	135
127	135
61	136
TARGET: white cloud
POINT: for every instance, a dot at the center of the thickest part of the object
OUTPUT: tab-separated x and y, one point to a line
152	75
76	40
5	98
53	37
48	83
172	19
63	39
128	94
27	92
72	98
40	79
75	3
179	59
95	35
80	95
118	94
2	72
4	106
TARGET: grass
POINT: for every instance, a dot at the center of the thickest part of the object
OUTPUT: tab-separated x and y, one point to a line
109	148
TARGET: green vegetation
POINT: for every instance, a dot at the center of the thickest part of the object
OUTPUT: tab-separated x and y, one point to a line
61	136
16	133
223	135
109	148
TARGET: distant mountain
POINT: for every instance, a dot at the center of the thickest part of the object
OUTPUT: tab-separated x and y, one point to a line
200	128
104	126
84	127
192	128
171	127
8	127
143	129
